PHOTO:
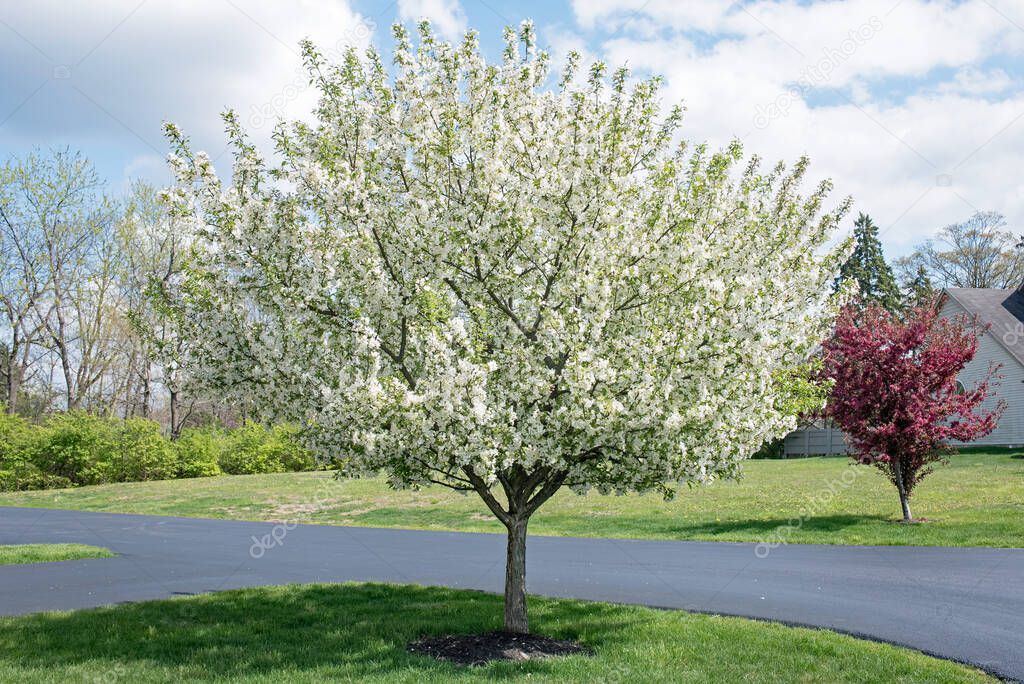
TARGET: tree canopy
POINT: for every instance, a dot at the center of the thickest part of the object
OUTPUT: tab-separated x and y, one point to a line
467	275
978	252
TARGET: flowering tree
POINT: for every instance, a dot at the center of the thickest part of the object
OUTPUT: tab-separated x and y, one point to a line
462	275
895	391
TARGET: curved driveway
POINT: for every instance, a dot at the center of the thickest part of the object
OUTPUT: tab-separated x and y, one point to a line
964	604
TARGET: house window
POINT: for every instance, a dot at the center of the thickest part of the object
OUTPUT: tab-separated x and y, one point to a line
960	389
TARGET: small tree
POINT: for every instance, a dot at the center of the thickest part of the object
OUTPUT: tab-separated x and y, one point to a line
895	392
467	276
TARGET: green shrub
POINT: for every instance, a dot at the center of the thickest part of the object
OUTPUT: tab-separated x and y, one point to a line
20	442
253	449
198	452
244	453
76	448
25	476
79	447
284	441
15	433
86	449
141	452
771	449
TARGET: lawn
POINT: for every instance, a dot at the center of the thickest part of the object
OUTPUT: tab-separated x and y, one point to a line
977	500
359	632
17	554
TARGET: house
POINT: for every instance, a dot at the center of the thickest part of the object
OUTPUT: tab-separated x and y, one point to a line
1002	344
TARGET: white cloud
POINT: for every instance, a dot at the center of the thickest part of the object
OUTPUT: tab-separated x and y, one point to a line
894	101
935	88
974	81
707	15
447	16
110	71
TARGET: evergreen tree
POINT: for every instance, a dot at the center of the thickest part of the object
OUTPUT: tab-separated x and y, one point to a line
866	266
920	290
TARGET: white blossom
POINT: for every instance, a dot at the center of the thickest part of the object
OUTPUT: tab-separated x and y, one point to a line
465	273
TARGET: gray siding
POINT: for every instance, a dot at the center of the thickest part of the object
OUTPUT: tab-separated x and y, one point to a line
1010	387
815	440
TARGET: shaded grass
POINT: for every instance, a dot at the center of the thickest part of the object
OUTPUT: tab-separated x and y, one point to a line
977	500
359	632
16	554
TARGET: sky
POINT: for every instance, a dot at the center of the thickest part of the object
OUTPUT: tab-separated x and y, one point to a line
915	108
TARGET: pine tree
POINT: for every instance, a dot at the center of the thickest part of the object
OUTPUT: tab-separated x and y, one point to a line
866	266
920	290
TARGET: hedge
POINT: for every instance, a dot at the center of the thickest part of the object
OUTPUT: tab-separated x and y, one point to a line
74	449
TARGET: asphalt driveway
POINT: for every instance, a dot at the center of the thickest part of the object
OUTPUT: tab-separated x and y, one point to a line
964	604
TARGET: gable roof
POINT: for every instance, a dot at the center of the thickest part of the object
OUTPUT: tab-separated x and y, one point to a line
1003	310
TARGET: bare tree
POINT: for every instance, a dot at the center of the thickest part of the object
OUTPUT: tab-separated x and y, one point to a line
83	305
978	252
69	223
24	276
152	244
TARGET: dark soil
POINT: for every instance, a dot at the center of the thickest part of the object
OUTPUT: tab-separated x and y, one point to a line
480	649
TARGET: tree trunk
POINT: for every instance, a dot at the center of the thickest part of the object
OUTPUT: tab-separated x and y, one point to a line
146	392
175	428
897	468
15	374
515	579
12	388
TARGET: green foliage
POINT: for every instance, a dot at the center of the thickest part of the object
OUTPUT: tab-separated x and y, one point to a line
284	441
77	448
920	290
85	449
141	452
14	431
772	449
866	266
254	449
199	452
244	452
801	393
20	441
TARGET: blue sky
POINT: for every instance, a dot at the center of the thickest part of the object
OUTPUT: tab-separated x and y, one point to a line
913	107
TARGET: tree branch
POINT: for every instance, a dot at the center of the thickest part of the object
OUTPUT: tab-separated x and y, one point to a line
485	493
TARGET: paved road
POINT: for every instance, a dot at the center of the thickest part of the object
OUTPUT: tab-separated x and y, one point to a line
964	604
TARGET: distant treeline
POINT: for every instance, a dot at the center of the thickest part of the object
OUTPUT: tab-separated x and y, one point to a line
81	277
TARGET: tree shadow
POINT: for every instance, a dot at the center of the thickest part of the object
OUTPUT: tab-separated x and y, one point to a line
768	526
351	631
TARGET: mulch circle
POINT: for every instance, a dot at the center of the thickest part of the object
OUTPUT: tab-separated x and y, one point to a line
480	649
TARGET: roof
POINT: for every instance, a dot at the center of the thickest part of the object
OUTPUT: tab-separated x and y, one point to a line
1003	310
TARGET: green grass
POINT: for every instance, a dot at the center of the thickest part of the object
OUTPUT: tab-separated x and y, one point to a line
17	554
976	500
358	632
